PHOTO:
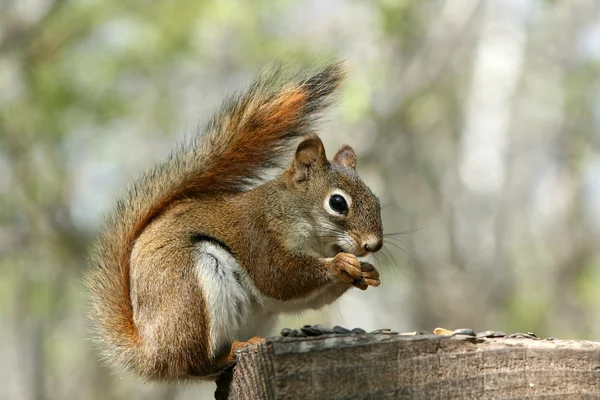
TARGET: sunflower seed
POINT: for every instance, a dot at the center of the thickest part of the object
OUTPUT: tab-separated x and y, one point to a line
323	329
341	330
285	331
464	331
311	331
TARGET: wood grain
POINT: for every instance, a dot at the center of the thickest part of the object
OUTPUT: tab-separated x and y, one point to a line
417	367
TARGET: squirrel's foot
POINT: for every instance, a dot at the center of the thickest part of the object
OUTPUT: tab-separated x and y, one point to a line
253	341
229	358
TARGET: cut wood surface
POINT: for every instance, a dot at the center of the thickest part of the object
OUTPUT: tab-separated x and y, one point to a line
415	367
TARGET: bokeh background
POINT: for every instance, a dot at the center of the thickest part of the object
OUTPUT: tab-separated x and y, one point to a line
476	122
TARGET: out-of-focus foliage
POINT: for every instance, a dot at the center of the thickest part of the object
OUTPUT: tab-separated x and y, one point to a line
476	122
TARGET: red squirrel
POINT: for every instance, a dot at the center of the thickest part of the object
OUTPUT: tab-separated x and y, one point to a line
202	254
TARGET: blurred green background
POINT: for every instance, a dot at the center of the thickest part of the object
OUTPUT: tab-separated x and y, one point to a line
476	122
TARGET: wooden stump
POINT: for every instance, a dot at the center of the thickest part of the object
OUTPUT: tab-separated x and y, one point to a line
415	367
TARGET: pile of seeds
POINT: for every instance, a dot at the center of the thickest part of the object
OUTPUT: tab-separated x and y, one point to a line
318	330
484	334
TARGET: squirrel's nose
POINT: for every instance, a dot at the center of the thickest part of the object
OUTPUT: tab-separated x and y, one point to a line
373	244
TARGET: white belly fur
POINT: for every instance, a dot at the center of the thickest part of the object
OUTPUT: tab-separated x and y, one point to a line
236	308
232	311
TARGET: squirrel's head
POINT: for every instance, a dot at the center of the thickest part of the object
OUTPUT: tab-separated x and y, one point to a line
340	212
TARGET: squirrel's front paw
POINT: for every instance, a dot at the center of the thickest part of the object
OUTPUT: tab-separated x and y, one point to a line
346	267
369	276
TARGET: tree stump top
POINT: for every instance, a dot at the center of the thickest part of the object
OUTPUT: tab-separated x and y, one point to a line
416	367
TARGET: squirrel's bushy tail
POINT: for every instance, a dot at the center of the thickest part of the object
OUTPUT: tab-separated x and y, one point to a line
253	131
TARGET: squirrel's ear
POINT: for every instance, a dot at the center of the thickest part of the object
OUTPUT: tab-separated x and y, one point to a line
309	154
346	157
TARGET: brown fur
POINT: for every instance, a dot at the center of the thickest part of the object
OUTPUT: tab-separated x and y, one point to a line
146	305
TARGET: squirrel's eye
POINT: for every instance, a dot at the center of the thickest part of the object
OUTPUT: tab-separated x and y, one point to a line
338	204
